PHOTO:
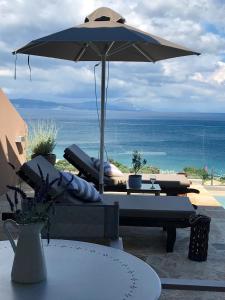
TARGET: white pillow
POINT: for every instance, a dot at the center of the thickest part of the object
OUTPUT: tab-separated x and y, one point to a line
110	170
82	189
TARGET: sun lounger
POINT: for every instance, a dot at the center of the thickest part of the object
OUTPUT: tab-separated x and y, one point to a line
73	219
171	184
169	212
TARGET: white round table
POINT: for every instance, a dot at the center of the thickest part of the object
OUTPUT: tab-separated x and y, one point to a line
82	271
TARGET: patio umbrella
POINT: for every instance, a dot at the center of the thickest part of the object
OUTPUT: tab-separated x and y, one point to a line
104	36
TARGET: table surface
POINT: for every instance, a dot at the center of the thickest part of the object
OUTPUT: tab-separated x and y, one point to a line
82	271
146	187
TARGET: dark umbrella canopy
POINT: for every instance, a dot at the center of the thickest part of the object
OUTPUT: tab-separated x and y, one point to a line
104	36
104	33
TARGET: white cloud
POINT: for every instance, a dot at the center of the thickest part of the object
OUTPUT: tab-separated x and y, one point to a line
215	77
4	47
6	72
198	77
219	74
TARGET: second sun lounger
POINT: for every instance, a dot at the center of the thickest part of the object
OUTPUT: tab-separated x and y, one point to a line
171	184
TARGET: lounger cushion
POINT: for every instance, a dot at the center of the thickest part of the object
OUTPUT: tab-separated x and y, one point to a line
110	169
171	180
82	189
153	207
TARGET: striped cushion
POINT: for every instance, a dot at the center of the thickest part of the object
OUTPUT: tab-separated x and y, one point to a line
110	170
82	189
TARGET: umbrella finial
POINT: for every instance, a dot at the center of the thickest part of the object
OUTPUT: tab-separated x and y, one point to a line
104	14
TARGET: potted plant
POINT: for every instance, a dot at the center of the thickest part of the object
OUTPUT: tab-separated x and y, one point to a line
137	163
30	218
42	139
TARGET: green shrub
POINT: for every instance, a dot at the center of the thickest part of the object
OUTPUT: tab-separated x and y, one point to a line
222	179
197	172
137	162
42	137
147	169
123	168
150	170
64	165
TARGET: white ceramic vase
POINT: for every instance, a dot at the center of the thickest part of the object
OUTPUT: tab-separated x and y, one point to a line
29	260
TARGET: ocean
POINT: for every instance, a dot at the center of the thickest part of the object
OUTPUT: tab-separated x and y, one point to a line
168	141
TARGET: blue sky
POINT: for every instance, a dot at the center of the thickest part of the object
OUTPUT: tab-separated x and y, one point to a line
188	84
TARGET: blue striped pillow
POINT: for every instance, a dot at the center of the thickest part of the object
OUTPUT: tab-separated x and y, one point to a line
82	189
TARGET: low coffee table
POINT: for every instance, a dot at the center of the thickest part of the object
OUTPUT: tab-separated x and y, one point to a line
146	188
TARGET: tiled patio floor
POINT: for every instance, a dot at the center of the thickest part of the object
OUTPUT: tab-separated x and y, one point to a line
149	245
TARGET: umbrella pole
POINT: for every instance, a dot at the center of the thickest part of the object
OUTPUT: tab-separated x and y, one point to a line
102	128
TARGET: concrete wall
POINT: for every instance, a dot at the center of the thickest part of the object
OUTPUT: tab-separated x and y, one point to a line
11	127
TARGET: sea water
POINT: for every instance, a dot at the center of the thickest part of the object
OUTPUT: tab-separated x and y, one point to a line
168	141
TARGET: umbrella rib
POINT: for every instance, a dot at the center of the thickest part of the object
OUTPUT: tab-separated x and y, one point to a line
81	53
149	58
109	48
119	49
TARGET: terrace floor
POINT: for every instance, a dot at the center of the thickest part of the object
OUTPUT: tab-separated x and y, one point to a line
149	245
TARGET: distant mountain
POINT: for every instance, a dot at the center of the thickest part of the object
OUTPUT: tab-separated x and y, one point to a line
85	105
30	103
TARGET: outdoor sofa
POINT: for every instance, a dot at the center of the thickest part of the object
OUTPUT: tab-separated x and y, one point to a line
168	212
171	184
